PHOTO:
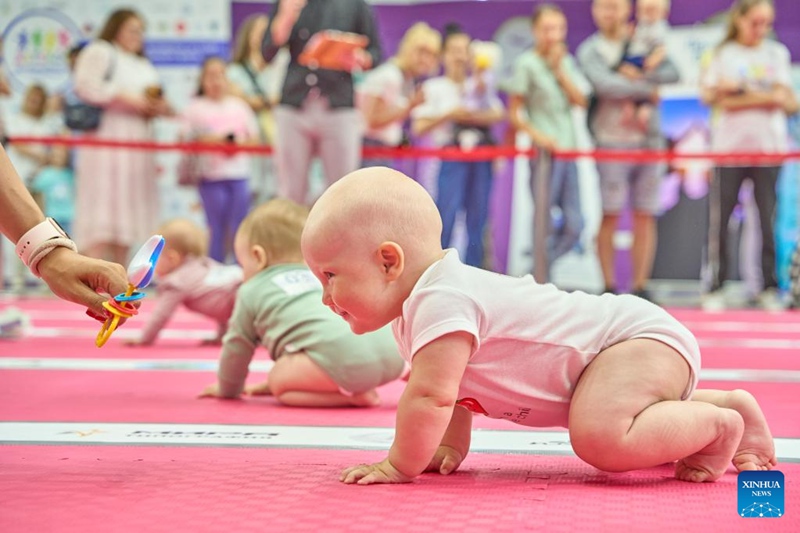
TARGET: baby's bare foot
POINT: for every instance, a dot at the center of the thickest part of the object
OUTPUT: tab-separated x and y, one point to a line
710	463
366	399
756	450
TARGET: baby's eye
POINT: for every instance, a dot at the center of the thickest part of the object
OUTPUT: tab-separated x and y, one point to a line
328	275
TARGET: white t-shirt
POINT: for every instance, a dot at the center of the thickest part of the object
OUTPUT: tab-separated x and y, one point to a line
387	83
442	95
758	68
204	116
531	341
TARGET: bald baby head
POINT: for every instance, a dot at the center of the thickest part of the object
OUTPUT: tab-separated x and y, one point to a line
374	205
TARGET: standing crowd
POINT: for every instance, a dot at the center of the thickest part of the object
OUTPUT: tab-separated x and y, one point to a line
440	89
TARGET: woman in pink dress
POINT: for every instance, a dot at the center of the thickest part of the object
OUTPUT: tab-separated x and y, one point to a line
117	195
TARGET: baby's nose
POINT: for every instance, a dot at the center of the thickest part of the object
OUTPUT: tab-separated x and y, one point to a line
326	298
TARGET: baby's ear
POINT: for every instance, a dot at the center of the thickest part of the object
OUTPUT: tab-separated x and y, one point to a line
260	255
392	260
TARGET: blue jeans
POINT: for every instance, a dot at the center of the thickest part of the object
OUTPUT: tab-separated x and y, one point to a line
564	194
465	185
226	203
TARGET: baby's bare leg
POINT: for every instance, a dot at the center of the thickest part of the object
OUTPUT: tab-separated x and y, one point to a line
756	450
297	380
626	414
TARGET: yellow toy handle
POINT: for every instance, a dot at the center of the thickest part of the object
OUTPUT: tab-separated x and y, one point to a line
111	323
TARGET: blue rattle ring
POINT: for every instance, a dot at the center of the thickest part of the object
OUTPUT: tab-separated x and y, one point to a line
122	297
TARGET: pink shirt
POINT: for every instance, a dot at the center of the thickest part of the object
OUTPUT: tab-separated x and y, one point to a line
204	116
203	286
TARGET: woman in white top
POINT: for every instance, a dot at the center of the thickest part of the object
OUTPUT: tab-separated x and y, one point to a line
217	117
748	83
117	195
461	185
389	93
259	84
32	120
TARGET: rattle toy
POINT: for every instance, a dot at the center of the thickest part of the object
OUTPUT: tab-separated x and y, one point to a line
140	272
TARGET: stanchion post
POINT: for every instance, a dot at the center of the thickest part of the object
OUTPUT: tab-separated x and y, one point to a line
541	215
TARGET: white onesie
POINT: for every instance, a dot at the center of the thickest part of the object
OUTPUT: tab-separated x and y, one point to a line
531	341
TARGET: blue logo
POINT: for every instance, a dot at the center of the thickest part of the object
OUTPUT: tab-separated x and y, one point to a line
761	494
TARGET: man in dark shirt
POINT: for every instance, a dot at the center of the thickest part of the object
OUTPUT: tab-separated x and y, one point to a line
316	115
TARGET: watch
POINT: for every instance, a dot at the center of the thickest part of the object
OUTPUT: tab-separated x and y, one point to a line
38	241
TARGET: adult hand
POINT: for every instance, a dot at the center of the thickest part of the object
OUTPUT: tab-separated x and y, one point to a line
632	72
445	461
77	278
555	55
291	9
359	59
545	142
382	472
655	58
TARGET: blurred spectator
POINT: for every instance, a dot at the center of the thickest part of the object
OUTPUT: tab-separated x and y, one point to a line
316	115
55	184
390	92
117	196
461	184
646	49
217	117
748	84
617	86
545	85
32	120
259	84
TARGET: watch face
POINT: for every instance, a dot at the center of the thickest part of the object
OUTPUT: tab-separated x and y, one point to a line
55	223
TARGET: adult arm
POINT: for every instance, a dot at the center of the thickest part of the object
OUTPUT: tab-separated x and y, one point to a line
608	83
283	18
69	275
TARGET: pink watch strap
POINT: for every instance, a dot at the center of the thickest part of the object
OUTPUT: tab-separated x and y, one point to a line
32	239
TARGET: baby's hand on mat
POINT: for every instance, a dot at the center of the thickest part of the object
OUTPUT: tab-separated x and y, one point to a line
382	472
262	389
445	461
212	391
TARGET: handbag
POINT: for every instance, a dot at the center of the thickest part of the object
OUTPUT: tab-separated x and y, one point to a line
82	116
266	120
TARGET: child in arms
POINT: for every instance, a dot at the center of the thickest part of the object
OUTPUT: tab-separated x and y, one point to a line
619	372
319	362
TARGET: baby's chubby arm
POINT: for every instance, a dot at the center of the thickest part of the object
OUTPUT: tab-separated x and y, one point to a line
424	413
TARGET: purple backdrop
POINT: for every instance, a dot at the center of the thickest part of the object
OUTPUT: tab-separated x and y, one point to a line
482	18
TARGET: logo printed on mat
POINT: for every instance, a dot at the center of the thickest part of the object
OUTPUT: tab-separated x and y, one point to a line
761	494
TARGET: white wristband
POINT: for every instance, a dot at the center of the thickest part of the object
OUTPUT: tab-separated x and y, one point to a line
45	248
39	241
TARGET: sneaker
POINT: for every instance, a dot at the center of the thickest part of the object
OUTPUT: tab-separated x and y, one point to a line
713	302
13	323
770	300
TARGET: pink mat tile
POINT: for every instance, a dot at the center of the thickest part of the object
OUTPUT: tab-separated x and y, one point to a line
154	489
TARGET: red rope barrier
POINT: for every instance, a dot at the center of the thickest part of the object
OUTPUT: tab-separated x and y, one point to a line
479	153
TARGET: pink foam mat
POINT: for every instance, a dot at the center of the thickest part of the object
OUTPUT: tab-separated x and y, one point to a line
157	489
164	396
